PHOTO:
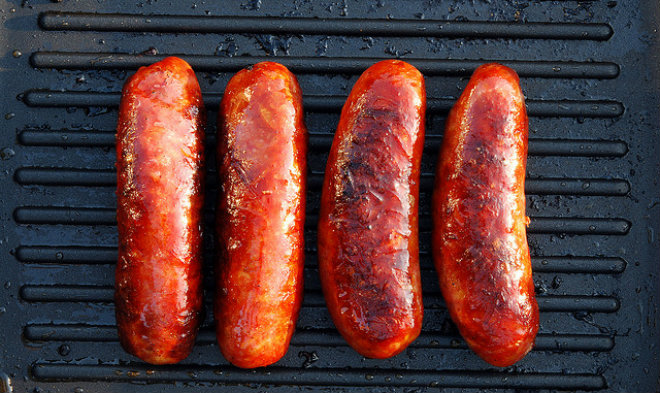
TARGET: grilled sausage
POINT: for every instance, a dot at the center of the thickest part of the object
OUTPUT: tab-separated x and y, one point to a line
160	165
368	225
479	242
262	148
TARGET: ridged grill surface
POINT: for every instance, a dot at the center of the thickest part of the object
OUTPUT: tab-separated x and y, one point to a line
590	72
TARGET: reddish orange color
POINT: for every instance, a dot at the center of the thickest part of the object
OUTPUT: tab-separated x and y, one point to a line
160	165
479	241
262	148
368	225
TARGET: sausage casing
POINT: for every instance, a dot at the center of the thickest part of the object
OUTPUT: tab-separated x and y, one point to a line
368	224
262	147
160	167
479	236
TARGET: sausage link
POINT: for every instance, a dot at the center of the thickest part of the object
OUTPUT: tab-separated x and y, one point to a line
479	241
262	148
160	169
368	224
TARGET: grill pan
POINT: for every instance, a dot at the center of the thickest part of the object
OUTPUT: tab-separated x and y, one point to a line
591	74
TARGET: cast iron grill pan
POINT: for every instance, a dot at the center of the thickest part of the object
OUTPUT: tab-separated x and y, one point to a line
591	184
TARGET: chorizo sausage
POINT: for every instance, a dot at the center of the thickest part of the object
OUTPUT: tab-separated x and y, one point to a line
160	169
368	224
262	167
479	232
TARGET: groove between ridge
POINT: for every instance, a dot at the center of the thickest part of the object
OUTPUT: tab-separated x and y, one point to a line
540	108
317	377
66	254
345	26
104	216
323	65
104	294
108	255
98	178
317	140
318	337
537	146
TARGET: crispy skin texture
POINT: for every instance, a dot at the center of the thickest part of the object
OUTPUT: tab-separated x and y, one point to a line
479	240
368	225
262	148
160	166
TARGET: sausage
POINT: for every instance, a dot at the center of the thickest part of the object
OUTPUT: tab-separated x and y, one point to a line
262	149
160	169
368	224
479	223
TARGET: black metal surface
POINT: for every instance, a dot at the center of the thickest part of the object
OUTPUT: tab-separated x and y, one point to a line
590	71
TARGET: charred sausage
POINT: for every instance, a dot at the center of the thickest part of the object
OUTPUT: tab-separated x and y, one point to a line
479	234
262	147
160	165
368	224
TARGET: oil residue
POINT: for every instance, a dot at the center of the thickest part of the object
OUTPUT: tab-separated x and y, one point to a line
322	46
227	48
251	5
274	45
310	358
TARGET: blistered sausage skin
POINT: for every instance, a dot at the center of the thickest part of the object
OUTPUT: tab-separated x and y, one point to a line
160	164
479	235
262	148
368	224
